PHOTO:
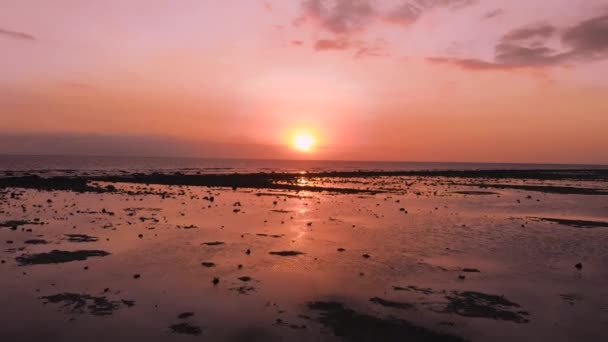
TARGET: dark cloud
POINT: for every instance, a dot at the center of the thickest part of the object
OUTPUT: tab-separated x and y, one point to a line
332	44
339	16
589	39
351	16
346	17
409	11
527	47
525	55
16	35
531	32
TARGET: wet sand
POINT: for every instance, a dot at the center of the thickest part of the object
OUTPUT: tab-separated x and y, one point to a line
417	256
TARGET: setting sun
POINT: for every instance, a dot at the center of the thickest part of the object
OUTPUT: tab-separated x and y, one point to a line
303	142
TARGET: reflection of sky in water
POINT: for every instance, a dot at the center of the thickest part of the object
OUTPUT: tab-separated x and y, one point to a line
426	248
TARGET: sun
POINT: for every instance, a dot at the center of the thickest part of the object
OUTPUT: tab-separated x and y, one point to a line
303	142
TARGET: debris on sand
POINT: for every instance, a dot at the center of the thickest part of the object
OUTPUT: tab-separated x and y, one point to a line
245	289
392	304
286	253
245	278
215	280
186	329
354	326
58	257
187	227
477	304
80	238
579	266
213	243
81	303
208	264
275	236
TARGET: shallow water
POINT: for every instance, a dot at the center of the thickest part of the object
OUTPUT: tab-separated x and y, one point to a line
427	245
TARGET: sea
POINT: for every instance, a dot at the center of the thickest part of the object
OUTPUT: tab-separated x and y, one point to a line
52	165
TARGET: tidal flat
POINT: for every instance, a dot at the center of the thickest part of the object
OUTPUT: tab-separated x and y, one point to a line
351	256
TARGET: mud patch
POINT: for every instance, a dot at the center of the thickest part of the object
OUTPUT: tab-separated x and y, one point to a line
186	329
478	193
574	223
392	304
353	326
35	242
58	257
14	224
477	304
76	303
80	238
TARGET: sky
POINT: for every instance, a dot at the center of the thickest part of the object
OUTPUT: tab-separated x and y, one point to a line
412	80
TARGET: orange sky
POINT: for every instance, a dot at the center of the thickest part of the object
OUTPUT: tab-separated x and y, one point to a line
431	80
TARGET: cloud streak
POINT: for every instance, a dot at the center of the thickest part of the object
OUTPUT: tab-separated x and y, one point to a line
16	35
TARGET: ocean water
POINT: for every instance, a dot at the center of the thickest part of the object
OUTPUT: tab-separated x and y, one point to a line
62	165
